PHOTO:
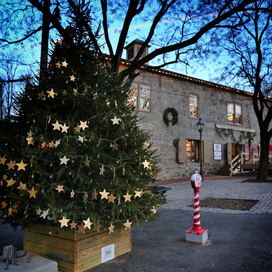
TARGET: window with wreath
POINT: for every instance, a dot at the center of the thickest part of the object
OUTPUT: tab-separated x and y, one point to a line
193	103
192	151
141	97
234	113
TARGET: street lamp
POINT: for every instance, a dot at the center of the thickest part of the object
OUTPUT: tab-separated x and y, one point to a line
200	124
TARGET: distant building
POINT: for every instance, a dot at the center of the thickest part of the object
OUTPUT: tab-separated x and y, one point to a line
228	115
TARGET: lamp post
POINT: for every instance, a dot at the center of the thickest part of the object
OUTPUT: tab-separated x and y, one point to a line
200	124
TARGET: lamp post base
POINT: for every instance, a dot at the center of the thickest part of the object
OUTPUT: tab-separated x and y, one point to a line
198	237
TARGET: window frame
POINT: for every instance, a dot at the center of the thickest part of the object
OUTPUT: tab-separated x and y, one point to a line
197	107
138	96
197	151
234	114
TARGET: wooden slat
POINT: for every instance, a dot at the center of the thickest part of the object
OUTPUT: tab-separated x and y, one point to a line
49	240
100	238
96	249
96	260
75	252
50	252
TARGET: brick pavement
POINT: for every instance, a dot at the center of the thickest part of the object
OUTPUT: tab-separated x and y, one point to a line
181	195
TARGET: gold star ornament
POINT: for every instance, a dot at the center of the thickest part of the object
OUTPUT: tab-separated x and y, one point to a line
51	93
32	193
64	222
127	224
21	165
83	125
59	188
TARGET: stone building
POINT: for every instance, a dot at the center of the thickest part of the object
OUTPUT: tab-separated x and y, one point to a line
227	113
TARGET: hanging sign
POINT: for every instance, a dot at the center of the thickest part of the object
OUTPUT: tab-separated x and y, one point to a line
217	152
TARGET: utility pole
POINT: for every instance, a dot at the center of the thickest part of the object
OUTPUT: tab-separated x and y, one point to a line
45	35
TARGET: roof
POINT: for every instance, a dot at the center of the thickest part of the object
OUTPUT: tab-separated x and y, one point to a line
137	41
191	79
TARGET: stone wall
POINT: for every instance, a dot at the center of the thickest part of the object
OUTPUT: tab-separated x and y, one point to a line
171	91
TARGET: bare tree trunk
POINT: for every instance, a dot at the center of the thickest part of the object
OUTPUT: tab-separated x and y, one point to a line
264	158
45	34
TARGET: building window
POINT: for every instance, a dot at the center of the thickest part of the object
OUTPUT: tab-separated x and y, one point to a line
192	150
193	103
234	114
140	97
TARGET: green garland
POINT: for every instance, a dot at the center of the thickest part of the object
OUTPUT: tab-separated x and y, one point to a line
174	119
229	132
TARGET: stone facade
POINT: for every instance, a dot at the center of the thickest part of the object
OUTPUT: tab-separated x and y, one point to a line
172	90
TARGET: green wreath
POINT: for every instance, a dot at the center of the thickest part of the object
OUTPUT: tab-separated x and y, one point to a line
174	115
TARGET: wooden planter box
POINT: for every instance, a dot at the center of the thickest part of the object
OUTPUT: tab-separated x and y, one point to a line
75	251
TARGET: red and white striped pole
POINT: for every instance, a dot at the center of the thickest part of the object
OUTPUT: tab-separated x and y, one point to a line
196	234
197	225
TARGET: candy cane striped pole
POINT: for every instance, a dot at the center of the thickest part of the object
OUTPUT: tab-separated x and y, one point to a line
197	225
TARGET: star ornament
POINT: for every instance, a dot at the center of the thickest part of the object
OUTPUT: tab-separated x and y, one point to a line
111	198
30	141
10	182
83	125
4	204
64	160
97	227
72	78
59	188
81	139
44	214
127	197
110	228
77	128
32	193
73	225
115	120
51	93
72	194
127	224
87	223
94	195
64	128
146	164
145	145
41	96
102	170
11	165
104	194
114	146
138	193
81	228
64	222
21	165
22	186
58	64
38	211
64	63
2	160
57	126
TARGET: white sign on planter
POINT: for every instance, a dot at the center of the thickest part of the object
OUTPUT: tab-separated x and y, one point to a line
107	253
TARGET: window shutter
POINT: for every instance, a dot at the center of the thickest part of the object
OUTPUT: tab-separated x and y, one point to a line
229	152
181	151
207	152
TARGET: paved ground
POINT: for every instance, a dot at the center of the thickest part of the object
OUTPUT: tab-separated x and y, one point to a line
181	195
237	242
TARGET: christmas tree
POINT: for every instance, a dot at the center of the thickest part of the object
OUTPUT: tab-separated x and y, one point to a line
81	162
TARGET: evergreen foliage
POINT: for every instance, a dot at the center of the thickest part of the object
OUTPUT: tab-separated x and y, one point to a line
80	155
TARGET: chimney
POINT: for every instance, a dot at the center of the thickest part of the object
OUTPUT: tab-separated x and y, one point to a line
134	47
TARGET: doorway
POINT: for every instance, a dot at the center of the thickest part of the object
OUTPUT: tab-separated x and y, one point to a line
236	149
